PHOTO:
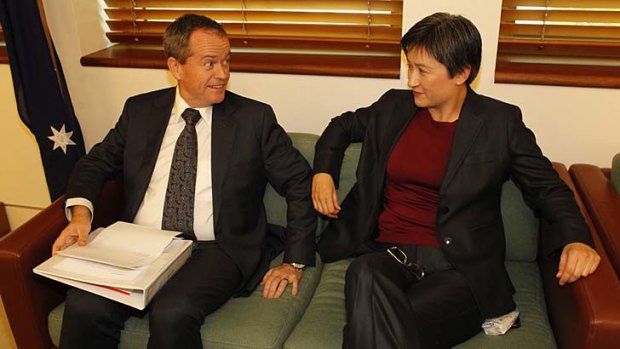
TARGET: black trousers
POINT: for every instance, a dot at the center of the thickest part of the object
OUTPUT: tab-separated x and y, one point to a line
388	307
176	313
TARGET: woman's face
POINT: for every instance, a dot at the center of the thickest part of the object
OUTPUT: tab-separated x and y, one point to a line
430	81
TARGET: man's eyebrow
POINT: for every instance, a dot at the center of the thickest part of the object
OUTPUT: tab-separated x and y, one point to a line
214	56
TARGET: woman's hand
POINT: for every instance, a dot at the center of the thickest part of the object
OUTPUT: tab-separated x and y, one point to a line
577	260
324	196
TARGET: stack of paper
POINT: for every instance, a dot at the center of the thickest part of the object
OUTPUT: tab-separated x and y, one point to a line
124	262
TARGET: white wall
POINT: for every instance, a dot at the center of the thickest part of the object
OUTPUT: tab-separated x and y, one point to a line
572	124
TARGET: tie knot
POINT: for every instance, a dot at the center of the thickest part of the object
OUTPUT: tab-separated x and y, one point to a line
191	116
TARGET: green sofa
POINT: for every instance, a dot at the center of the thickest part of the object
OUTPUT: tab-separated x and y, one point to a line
315	317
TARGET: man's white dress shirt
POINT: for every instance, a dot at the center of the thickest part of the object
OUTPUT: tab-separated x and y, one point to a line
151	209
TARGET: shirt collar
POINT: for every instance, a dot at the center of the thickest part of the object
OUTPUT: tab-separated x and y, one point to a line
180	105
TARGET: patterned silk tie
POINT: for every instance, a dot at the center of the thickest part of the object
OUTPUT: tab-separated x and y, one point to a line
179	204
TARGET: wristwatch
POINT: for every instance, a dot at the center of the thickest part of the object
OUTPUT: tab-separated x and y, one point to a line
298	266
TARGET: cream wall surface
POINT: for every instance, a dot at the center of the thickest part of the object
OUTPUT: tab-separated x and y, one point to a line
22	183
572	124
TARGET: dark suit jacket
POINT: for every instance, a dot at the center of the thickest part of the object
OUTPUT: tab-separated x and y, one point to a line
491	144
248	148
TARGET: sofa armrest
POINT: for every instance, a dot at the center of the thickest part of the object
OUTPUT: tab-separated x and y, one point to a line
603	204
29	298
584	314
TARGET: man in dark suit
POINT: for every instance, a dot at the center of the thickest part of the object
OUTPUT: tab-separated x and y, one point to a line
424	213
234	146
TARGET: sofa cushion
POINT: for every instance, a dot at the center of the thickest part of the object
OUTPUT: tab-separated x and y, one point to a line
266	323
520	225
275	205
535	331
615	173
325	314
322	323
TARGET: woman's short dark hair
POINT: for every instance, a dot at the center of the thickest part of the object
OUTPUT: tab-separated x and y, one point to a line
452	40
176	36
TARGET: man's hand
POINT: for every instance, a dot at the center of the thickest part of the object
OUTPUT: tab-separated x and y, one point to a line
324	196
577	260
76	231
276	280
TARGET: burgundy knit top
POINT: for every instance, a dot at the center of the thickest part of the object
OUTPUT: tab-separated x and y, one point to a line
415	172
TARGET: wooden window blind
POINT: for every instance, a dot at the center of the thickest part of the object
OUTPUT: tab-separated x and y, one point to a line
559	42
4	56
325	37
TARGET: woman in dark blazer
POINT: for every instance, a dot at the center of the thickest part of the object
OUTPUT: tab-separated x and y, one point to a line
424	215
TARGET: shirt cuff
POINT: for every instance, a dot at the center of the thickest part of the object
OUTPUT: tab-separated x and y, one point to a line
78	201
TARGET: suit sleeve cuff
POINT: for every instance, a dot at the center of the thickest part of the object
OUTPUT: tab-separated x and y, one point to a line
78	201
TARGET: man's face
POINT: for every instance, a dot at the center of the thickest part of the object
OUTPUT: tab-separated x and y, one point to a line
430	81
203	77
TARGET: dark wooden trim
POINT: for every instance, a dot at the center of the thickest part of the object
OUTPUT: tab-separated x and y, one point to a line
126	57
557	74
4	55
559	47
272	42
357	66
4	221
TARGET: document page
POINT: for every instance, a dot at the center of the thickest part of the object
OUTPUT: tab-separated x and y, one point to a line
122	244
83	270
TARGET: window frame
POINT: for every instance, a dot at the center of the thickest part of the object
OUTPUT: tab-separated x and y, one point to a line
365	59
553	61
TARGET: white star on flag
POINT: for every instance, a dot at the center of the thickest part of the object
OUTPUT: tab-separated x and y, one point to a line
61	138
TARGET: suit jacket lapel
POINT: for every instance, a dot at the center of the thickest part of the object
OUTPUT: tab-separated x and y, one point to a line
222	141
398	121
466	132
155	121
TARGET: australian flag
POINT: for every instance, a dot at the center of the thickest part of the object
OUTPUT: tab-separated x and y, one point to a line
42	97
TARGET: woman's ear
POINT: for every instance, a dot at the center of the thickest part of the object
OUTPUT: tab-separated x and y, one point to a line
462	76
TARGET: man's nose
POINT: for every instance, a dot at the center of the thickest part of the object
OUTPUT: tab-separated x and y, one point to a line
222	71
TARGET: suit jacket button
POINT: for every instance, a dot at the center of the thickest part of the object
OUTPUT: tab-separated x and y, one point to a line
444	210
447	240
